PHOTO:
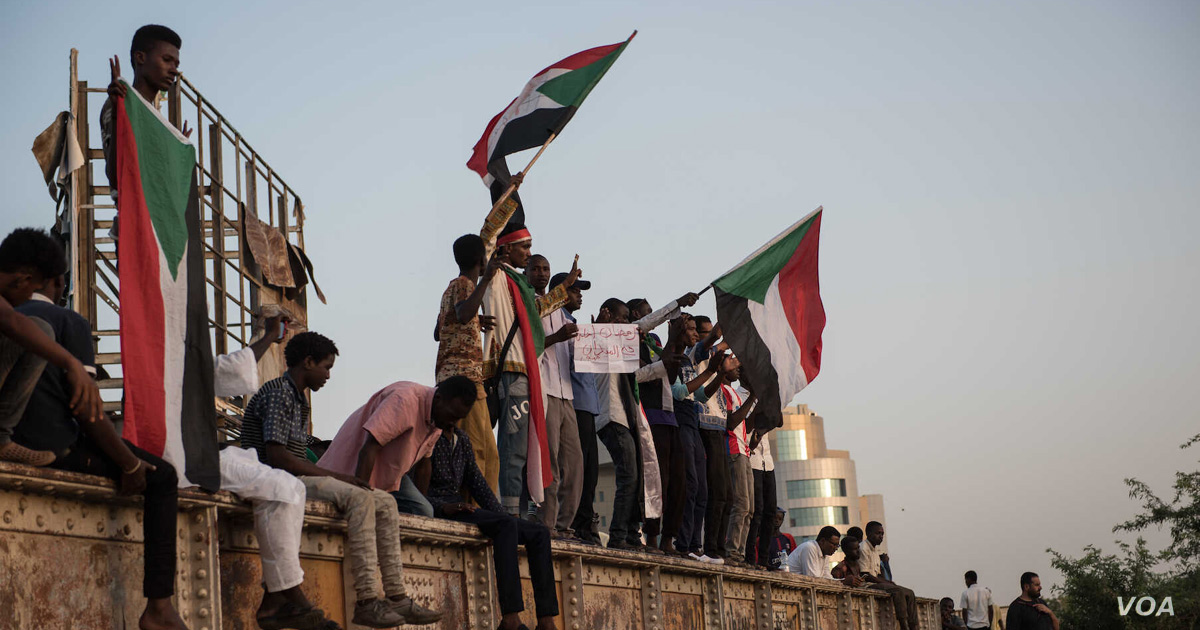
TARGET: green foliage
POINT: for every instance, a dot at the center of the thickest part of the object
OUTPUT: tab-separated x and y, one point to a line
1087	598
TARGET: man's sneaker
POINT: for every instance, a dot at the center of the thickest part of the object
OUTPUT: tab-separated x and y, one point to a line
414	613
711	560
693	556
13	452
377	613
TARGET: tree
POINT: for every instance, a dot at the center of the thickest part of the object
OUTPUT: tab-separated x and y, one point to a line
1092	584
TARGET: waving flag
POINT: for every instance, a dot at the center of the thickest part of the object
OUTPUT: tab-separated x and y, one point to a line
166	354
543	108
771	314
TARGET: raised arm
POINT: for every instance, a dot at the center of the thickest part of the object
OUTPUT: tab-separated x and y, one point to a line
466	310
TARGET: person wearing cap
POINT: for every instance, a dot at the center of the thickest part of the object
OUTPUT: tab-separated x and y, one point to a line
587	406
557	512
519	387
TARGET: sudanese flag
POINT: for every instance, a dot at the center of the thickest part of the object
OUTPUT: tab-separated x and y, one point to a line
166	354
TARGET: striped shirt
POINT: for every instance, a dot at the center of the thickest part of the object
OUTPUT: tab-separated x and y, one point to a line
277	414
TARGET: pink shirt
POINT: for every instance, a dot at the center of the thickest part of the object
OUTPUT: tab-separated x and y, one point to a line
398	417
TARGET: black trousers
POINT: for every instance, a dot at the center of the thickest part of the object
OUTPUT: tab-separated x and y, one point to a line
669	448
716	516
506	533
160	508
627	509
585	515
762	523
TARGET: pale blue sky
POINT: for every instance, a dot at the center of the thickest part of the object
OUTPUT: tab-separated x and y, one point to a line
1009	262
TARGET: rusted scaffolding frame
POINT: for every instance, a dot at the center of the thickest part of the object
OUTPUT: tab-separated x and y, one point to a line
230	190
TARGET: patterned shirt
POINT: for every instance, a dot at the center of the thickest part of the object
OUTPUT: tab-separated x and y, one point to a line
460	350
277	414
455	470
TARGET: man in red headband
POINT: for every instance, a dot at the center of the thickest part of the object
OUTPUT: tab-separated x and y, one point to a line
509	299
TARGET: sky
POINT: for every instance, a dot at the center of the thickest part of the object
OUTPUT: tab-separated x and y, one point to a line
1009	262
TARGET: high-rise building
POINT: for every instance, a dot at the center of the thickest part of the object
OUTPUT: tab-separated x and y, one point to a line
815	485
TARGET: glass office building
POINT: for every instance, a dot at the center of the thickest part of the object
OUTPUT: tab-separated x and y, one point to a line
817	486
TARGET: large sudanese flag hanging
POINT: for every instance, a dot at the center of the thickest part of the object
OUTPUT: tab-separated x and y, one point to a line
544	107
771	315
166	354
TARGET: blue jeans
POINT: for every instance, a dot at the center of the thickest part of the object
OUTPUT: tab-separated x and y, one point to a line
513	438
695	499
409	500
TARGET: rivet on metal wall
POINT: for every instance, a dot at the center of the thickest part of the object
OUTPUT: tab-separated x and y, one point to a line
574	601
8	517
54	507
202	613
70	523
201	574
572	588
574	613
483	609
40	521
200	555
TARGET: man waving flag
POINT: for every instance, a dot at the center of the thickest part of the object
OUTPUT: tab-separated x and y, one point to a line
770	311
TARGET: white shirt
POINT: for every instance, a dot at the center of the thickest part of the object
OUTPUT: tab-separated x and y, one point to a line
236	373
760	458
976	600
555	363
868	561
807	559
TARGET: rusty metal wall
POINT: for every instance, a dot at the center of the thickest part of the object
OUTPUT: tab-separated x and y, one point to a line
71	557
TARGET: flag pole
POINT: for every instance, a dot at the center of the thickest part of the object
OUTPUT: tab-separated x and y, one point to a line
511	188
704	290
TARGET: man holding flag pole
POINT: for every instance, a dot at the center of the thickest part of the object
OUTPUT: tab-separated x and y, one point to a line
546	104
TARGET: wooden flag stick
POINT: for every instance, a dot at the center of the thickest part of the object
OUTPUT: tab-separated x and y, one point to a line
509	191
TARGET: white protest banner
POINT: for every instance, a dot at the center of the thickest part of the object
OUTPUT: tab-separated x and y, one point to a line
607	348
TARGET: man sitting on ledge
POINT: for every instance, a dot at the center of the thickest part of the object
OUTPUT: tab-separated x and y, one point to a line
275	425
903	599
95	448
386	443
811	558
454	475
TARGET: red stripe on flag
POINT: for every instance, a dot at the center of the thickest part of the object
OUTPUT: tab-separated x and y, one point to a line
800	292
537	414
143	325
587	57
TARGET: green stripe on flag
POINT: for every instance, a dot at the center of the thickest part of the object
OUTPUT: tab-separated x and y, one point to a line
571	88
166	166
752	279
529	301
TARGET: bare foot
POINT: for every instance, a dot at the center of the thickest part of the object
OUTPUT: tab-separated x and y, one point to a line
160	615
